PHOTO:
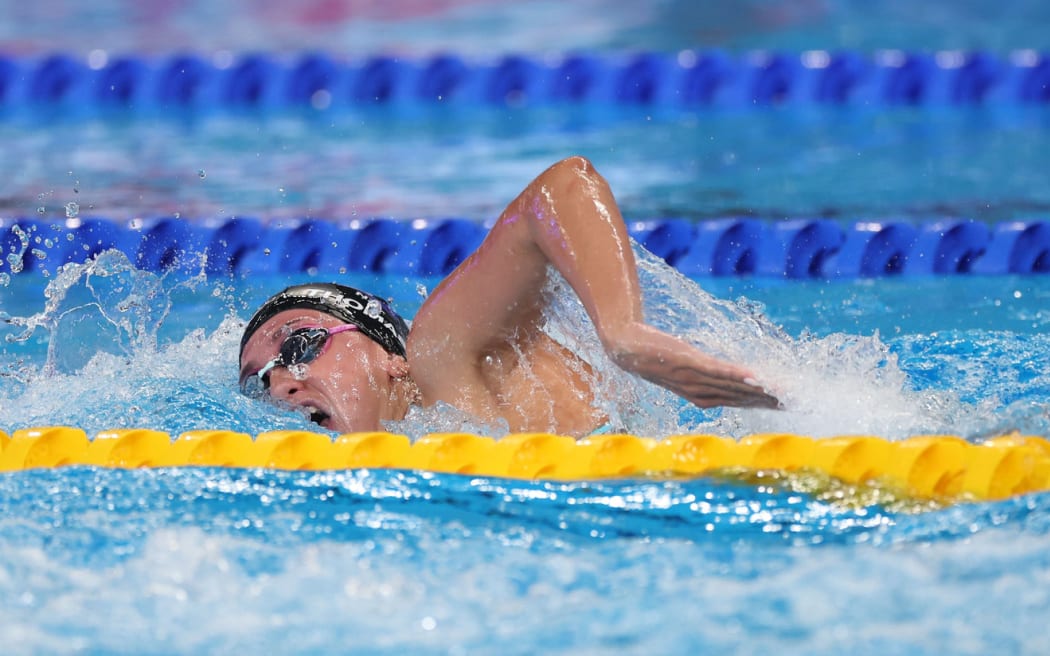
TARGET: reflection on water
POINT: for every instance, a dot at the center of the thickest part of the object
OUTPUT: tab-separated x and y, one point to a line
213	561
484	27
893	164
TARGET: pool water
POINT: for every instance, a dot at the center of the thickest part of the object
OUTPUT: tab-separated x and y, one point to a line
387	561
212	561
894	357
849	165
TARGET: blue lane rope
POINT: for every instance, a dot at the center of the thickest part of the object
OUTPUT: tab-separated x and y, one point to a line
796	249
688	79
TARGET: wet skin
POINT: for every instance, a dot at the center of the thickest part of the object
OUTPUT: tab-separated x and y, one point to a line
477	342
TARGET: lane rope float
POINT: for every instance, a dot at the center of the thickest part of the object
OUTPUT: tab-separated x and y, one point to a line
793	249
929	466
688	80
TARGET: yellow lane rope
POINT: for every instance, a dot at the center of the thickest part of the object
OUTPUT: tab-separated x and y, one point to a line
924	465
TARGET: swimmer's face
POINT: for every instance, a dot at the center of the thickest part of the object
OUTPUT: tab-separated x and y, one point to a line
346	388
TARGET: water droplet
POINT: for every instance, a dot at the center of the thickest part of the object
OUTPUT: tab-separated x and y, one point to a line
202	174
299	371
40	210
178	215
373	309
14	262
72	210
5	279
266	251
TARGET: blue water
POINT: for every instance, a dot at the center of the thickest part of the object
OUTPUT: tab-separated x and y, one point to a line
393	562
214	561
901	163
487	27
400	561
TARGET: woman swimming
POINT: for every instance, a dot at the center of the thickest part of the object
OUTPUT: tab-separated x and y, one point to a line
477	343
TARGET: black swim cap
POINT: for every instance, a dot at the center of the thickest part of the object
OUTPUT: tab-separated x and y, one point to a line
371	314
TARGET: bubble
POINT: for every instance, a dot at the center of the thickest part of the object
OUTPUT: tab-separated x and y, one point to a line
201	173
373	309
14	261
72	210
41	209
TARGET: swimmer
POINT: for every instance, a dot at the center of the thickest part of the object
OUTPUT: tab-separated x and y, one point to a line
350	362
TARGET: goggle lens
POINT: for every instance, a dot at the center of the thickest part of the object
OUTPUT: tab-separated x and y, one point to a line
303	346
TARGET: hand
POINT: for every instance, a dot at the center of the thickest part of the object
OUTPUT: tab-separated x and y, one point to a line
685	370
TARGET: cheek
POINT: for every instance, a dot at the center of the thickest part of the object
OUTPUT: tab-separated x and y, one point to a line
351	371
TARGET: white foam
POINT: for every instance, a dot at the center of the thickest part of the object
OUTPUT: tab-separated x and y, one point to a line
833	385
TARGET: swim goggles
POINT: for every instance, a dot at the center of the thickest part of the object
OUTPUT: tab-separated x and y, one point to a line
303	346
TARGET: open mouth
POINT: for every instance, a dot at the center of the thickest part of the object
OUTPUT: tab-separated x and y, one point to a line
308	409
317	416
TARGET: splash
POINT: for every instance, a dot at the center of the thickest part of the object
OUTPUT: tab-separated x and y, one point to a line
106	368
124	376
833	385
106	295
15	258
444	418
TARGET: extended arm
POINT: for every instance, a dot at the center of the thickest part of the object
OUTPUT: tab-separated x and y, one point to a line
567	217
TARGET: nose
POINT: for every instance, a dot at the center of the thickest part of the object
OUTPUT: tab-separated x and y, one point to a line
283	385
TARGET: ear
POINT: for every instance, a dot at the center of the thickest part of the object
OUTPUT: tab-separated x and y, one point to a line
395	365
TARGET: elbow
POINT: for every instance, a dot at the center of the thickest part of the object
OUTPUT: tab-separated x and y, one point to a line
576	163
572	177
572	167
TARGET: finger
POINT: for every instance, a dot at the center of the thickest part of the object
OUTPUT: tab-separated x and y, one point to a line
730	389
763	401
709	394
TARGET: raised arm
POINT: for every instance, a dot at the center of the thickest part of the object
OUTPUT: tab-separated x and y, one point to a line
567	217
